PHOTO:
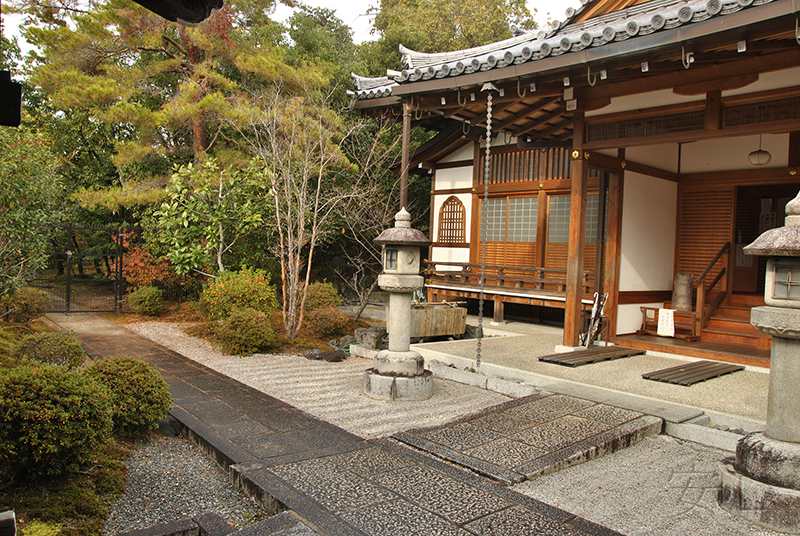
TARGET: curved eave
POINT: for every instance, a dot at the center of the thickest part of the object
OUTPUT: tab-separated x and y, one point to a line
383	102
640	44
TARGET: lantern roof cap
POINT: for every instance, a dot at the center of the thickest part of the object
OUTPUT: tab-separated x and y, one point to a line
781	241
402	234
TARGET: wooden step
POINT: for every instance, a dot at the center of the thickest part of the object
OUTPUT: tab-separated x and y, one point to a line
756	340
732	353
746	300
728	311
732	324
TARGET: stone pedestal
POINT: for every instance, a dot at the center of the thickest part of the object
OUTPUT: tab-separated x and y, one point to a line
762	483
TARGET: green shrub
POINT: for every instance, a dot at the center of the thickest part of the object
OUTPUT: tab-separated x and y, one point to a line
52	420
322	295
146	300
52	349
246	332
139	395
325	321
231	291
25	305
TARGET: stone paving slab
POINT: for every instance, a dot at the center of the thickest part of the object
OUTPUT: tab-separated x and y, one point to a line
337	483
533	435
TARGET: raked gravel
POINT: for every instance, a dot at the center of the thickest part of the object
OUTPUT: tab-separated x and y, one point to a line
170	478
330	391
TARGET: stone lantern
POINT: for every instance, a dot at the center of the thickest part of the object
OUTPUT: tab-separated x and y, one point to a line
762	484
399	372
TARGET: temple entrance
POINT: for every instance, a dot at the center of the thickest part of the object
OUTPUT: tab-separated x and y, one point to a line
758	209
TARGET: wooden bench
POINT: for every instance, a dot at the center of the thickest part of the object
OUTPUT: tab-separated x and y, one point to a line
685	324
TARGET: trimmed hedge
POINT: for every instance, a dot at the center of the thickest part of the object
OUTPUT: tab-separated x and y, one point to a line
51	348
139	395
232	291
325	322
146	300
52	420
246	332
321	296
25	305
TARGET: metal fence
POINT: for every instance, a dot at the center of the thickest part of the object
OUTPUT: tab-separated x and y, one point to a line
84	269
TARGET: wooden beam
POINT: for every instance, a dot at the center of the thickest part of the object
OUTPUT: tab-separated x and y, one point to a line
555	128
794	149
577	232
714	110
541	221
775	127
787	174
616	184
537	122
405	155
646	84
526	112
702	88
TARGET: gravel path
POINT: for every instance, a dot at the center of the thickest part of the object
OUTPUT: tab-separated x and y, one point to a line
169	478
330	391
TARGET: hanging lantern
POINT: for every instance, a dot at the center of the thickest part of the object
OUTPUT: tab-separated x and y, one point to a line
760	157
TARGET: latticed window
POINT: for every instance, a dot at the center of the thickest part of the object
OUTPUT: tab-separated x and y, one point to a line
452	220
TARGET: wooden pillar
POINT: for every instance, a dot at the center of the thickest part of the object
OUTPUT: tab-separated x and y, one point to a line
499	310
577	235
613	244
600	252
406	156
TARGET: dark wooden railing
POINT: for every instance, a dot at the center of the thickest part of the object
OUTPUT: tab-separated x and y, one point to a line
522	277
703	315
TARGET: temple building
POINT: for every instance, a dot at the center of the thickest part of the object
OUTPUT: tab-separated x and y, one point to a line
634	149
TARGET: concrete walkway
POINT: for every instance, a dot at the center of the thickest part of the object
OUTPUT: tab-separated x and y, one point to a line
334	482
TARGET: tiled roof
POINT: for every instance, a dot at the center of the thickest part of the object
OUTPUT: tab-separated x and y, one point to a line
561	38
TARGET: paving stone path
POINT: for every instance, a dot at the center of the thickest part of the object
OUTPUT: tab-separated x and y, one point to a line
334	482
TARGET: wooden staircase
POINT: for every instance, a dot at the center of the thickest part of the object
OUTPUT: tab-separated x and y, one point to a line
731	323
728	336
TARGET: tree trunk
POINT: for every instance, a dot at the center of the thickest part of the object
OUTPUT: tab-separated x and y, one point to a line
365	301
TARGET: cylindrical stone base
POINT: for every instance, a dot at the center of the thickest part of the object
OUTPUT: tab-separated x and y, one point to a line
769	461
389	363
393	388
769	506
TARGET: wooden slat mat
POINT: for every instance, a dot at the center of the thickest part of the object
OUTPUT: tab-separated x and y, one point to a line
591	355
691	373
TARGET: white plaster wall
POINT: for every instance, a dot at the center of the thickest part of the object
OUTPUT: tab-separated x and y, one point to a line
768	81
629	317
730	154
438	201
464	153
648	241
643	101
448	179
663	156
442	254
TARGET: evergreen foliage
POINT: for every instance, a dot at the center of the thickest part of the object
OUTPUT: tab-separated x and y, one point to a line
139	396
322	294
50	348
52	420
146	301
245	332
25	305
234	291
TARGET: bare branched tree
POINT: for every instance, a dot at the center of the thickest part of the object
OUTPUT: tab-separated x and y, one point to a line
300	147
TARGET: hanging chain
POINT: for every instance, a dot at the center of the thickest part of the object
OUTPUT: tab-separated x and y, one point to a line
484	212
